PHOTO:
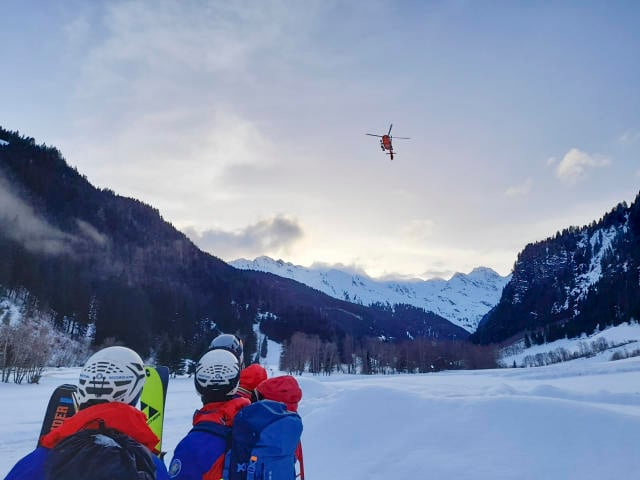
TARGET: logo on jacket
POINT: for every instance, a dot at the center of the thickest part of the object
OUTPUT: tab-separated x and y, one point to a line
175	467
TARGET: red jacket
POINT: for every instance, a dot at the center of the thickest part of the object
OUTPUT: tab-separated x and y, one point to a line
221	413
118	416
250	377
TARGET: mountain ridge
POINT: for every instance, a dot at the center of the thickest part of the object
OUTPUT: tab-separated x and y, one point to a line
463	299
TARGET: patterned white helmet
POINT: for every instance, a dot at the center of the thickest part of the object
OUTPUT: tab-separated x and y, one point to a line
217	375
113	374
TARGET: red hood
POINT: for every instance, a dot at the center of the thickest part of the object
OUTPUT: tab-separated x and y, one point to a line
115	415
220	412
250	377
283	389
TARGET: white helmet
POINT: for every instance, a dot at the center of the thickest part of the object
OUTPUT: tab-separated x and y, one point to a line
113	374
217	375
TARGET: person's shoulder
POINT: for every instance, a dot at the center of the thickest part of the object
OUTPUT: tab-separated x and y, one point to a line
195	453
161	469
233	406
31	466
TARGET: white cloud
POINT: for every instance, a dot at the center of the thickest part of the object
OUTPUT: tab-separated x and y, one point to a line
23	224
92	233
352	268
551	160
155	54
519	190
185	95
78	30
426	275
418	229
575	164
629	137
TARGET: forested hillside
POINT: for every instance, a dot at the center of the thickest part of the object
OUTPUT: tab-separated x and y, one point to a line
579	280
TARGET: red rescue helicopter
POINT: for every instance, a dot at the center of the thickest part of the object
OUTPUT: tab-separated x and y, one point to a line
385	141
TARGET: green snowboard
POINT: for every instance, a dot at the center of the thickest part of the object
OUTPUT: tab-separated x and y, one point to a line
152	400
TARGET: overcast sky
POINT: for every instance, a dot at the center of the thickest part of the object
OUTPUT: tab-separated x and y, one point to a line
244	122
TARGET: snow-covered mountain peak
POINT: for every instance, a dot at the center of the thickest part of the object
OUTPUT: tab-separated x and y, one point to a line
483	273
463	300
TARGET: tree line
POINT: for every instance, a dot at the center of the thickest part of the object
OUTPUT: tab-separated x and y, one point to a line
374	355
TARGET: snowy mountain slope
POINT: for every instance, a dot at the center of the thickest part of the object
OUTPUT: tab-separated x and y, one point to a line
595	246
598	245
622	340
463	300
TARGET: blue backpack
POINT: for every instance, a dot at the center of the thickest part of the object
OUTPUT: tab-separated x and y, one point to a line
264	438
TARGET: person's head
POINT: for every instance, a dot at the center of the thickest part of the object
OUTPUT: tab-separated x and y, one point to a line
250	377
217	376
283	389
113	374
231	343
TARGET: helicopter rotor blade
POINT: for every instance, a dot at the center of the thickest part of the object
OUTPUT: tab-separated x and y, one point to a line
390	129
403	138
372	135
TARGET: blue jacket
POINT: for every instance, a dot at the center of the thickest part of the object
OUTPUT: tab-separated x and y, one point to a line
31	467
207	442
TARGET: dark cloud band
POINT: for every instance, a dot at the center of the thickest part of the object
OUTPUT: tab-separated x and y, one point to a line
272	236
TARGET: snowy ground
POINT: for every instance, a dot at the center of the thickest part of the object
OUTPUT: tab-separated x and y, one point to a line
576	420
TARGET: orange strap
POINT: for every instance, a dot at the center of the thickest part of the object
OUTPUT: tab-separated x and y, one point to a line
300	460
215	472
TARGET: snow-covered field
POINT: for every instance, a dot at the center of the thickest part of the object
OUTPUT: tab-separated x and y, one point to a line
575	420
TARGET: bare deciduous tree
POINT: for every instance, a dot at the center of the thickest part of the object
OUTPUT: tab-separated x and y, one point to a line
31	343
